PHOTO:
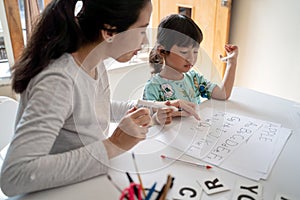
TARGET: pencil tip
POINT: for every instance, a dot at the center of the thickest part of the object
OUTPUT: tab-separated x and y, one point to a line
108	176
163	156
133	156
208	167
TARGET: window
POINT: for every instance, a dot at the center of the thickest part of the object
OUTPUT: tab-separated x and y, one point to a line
4	65
3	55
185	11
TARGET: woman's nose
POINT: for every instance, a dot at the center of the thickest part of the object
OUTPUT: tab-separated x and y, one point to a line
145	40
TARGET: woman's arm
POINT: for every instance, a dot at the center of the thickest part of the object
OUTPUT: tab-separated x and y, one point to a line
29	166
118	109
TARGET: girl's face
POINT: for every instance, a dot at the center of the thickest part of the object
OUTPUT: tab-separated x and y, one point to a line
128	43
182	59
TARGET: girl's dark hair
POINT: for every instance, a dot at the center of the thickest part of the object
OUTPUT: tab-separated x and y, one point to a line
175	29
58	31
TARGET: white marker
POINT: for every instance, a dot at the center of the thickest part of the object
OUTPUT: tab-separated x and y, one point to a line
224	59
155	104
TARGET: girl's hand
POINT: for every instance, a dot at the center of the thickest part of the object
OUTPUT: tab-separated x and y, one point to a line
163	116
186	108
131	130
232	51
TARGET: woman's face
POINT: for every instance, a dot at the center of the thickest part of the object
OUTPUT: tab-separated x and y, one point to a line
126	44
182	59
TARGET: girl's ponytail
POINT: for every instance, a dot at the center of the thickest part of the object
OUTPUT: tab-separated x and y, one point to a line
55	33
156	61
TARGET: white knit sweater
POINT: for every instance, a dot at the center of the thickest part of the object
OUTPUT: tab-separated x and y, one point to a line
63	117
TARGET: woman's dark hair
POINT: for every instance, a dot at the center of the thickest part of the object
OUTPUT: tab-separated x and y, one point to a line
58	31
175	29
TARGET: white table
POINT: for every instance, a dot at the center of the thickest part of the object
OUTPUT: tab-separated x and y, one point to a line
284	177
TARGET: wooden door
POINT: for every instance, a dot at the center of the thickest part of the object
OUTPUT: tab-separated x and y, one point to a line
14	26
212	16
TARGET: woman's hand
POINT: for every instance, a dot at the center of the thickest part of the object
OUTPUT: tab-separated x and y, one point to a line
131	130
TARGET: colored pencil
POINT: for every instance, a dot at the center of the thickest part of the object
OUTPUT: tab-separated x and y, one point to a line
114	184
187	162
138	174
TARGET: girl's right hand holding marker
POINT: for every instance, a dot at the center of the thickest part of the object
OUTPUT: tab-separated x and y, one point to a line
232	52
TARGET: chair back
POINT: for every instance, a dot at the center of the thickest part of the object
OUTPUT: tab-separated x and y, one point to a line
8	112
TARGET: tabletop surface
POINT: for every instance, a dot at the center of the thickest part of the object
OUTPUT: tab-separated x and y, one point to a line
284	177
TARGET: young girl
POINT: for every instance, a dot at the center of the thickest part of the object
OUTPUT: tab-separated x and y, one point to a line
178	41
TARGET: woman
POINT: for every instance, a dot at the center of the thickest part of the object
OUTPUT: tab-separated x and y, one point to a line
61	133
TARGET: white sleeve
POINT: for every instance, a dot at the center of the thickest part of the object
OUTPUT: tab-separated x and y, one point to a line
119	109
29	166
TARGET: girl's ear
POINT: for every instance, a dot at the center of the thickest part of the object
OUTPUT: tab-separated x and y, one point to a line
161	51
108	33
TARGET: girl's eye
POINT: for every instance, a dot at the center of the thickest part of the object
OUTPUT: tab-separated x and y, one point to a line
183	52
195	52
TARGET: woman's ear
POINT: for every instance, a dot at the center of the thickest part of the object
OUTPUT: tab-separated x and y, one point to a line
108	33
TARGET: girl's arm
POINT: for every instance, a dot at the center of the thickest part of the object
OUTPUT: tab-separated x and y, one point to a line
223	91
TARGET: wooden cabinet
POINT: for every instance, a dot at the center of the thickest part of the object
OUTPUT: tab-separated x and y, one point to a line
212	16
14	26
12	18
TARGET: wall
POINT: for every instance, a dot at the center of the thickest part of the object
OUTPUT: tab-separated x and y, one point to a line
268	35
127	82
